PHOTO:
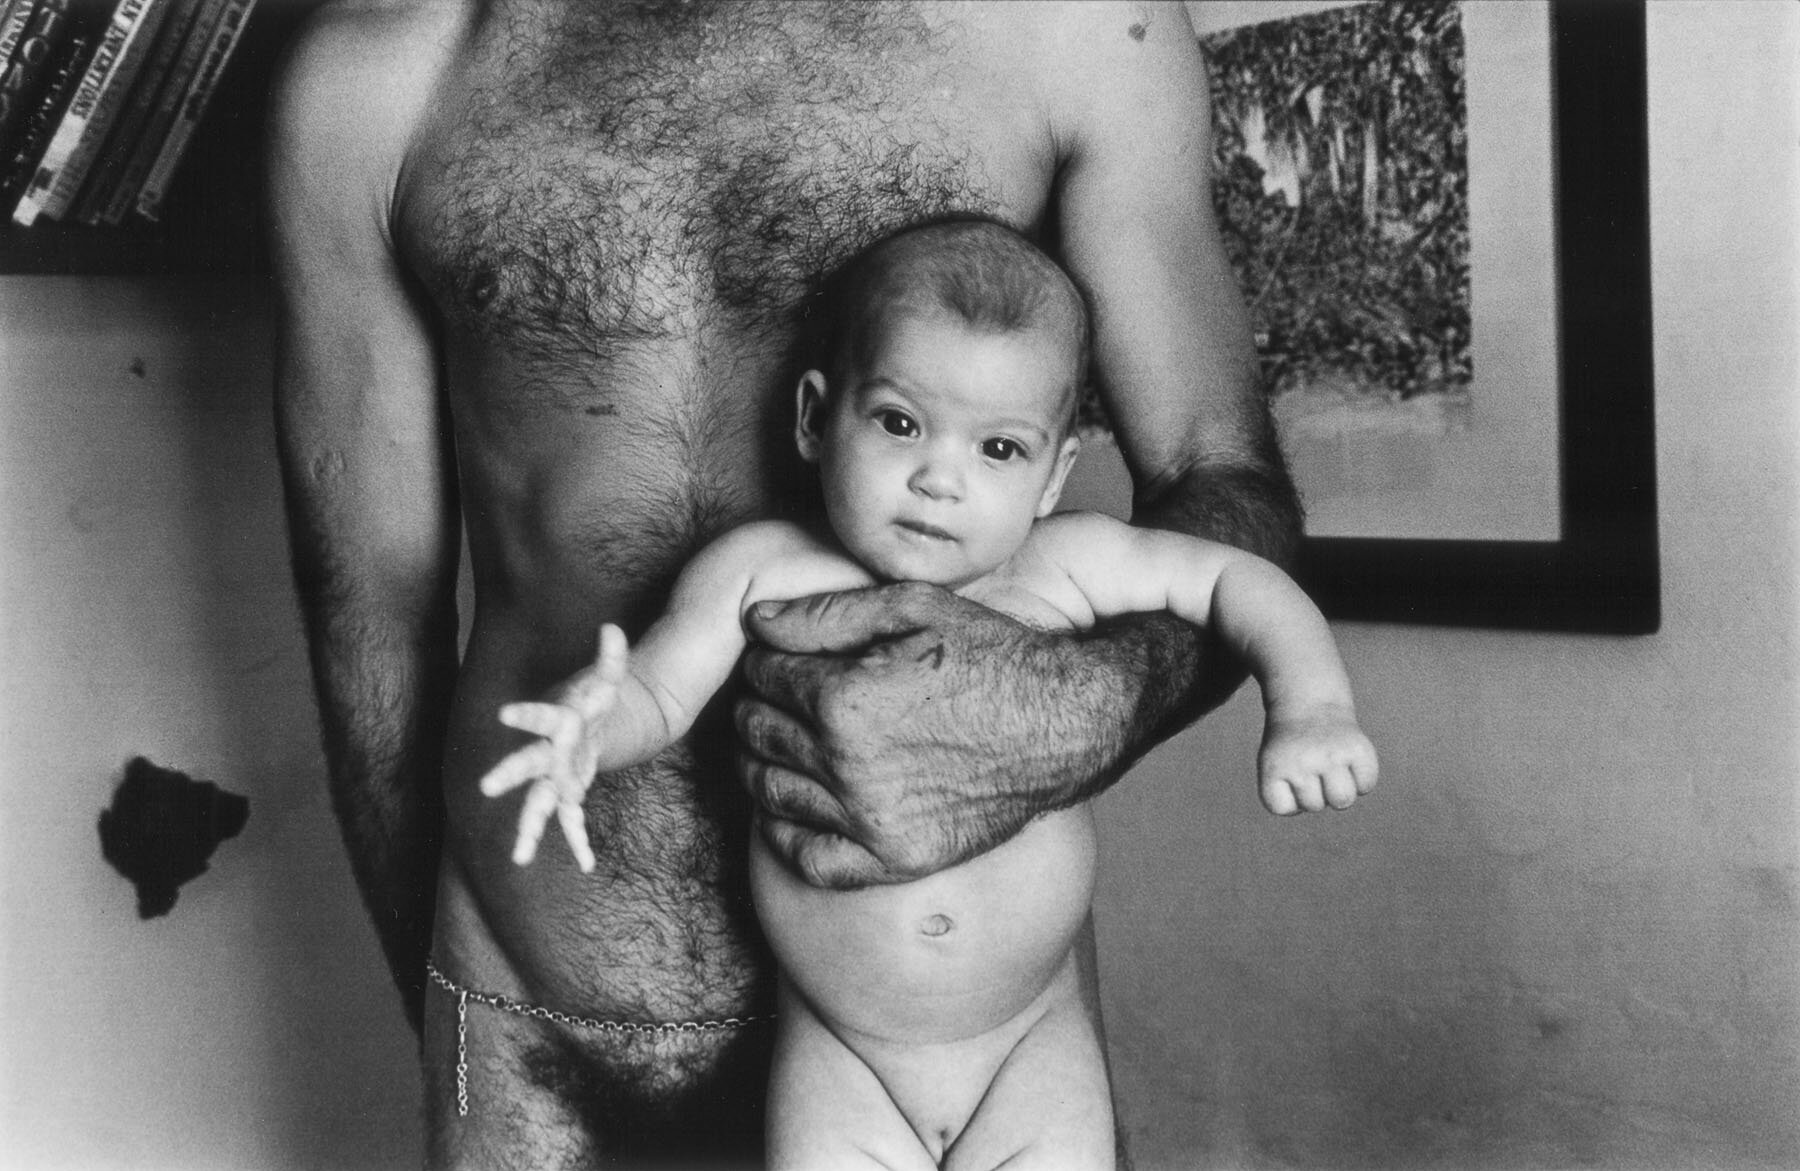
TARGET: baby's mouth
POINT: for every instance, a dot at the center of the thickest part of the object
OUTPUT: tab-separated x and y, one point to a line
926	530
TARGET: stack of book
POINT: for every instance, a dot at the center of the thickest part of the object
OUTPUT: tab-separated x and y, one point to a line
100	100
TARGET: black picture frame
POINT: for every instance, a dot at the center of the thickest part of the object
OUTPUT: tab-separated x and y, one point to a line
1602	575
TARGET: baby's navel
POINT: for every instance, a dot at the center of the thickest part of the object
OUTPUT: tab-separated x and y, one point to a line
936	925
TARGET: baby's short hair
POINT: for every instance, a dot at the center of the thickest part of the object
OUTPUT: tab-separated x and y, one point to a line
979	271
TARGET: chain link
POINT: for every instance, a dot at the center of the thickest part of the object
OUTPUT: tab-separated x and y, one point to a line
462	1054
538	1012
595	1024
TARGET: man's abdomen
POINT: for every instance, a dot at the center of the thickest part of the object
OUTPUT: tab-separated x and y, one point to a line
943	958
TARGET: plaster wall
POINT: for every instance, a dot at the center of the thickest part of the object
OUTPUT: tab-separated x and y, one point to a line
1564	930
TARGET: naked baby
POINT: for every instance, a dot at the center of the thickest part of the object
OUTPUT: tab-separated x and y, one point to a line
938	1023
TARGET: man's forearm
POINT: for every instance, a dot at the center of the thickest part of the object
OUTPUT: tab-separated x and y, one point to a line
384	710
1252	506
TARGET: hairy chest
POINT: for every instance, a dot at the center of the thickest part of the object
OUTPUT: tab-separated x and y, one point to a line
630	173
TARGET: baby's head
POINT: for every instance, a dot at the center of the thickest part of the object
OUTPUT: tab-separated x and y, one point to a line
942	412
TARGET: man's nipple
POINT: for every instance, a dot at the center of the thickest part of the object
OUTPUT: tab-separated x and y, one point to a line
483	283
936	926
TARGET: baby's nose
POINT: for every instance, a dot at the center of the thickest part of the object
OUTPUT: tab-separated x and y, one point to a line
938	477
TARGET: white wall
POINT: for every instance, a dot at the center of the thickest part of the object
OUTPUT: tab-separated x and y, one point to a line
145	608
1564	931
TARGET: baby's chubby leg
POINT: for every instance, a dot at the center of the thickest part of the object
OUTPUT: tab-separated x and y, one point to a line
1039	1097
1049	1107
827	1109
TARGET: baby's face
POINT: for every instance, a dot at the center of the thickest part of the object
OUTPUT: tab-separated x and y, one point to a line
938	455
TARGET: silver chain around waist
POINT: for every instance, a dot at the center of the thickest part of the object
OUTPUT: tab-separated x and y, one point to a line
538	1012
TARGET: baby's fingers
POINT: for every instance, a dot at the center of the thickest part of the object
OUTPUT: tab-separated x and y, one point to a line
552	721
574	828
609	655
592	693
534	760
1278	798
1340	786
1289	789
534	814
1365	768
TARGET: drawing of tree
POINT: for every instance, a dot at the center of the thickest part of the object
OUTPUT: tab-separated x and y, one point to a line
1341	184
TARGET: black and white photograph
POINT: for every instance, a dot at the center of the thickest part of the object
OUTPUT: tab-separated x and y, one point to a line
715	585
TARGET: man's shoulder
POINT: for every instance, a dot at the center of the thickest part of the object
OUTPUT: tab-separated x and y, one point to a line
348	95
358	62
1054	36
1092	67
368	38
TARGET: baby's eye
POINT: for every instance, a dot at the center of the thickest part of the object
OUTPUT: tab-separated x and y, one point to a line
1001	449
898	423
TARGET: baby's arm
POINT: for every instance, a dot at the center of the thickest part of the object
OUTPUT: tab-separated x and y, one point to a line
1313	752
628	706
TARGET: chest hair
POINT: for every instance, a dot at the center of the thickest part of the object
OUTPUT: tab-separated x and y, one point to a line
618	174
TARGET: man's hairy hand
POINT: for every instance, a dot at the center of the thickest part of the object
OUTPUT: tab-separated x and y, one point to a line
893	731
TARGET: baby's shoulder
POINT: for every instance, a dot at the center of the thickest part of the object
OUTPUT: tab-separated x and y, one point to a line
1078	533
1046	570
759	543
780	560
769	534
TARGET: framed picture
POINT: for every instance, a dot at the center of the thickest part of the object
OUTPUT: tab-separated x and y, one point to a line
1439	214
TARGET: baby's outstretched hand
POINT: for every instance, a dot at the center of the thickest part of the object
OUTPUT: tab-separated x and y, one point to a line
561	764
1314	759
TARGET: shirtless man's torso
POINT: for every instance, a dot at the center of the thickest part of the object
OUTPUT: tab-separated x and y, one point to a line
543	265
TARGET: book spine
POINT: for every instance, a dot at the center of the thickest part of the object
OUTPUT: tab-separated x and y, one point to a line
75	118
134	21
48	25
36	129
218	53
13	18
197	35
160	45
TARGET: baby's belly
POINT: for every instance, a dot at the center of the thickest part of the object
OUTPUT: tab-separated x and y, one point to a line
943	958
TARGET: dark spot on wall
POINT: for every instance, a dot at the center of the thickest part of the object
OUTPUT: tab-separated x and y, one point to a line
1773	887
604	409
137	367
1137	32
163	827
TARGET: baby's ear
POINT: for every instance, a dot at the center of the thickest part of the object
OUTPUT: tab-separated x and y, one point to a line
1065	459
809	414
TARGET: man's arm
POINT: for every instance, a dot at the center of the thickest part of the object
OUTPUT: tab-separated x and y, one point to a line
898	731
1172	345
364	450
